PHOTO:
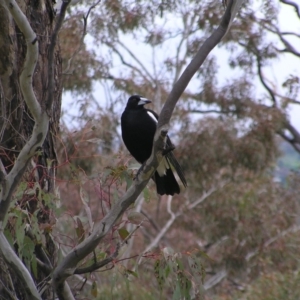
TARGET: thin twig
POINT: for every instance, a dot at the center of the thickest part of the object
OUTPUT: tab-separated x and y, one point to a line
52	46
262	80
68	265
81	43
109	259
291	3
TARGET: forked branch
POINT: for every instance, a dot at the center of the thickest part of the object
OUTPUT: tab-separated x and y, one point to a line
68	265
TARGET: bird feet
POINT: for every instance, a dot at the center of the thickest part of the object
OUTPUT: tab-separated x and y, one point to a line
168	149
139	171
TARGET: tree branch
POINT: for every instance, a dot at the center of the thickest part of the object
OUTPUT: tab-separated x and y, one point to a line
288	46
291	3
41	119
292	229
137	60
84	32
209	111
54	36
67	266
109	259
214	280
186	206
262	80
124	62
13	261
11	180
163	231
196	63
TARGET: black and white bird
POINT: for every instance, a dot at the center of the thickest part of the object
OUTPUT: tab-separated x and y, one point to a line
138	129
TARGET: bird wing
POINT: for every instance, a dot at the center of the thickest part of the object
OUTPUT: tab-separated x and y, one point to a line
174	163
170	158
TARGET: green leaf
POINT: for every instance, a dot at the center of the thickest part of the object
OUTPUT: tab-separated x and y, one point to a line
84	195
136	217
20	234
20	190
34	266
94	291
159	273
146	193
106	174
131	273
127	177
9	236
79	230
123	233
197	269
177	292
101	255
27	251
167	271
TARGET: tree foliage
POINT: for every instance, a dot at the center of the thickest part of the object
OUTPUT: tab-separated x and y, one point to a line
234	232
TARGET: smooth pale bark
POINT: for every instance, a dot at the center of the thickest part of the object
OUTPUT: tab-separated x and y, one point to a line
24	77
68	265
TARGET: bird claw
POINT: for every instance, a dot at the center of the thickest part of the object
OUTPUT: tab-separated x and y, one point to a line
168	150
139	171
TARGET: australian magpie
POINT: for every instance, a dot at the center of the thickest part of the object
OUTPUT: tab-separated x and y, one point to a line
138	128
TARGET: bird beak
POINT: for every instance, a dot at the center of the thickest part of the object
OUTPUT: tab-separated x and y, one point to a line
143	101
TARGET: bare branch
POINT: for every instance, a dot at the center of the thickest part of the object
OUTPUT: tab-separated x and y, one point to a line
262	80
214	280
163	231
87	209
40	129
204	196
295	139
188	28
137	60
151	221
13	261
292	229
30	59
186	206
288	46
67	266
288	99
290	33
52	46
109	259
209	111
289	140
196	63
124	62
41	120
291	3
84	32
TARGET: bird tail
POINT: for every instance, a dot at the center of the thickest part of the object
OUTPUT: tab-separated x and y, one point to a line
174	163
167	183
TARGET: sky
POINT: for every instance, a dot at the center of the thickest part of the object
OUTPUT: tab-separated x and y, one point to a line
288	20
275	73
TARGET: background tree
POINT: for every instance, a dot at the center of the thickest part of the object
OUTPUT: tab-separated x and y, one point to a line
234	223
235	143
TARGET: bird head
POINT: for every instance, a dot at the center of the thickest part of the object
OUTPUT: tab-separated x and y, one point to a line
136	101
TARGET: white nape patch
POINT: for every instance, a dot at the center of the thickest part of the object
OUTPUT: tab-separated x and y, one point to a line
152	116
162	167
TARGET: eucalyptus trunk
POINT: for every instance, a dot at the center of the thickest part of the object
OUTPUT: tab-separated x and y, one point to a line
16	124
